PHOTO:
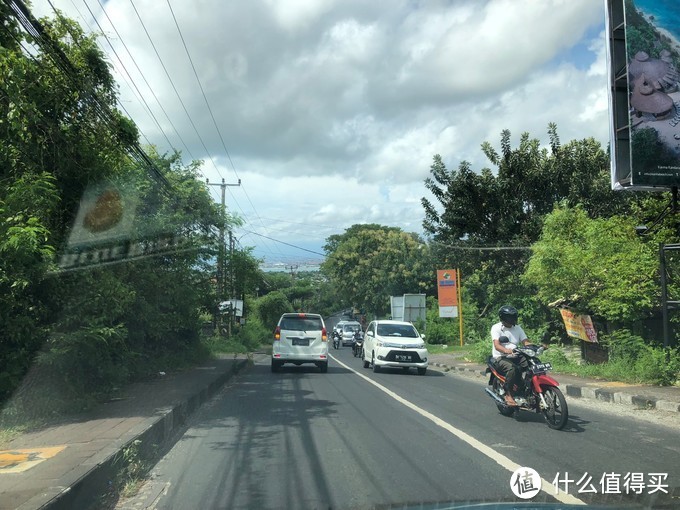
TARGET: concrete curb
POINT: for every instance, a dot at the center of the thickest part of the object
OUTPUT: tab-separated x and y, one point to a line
156	430
587	392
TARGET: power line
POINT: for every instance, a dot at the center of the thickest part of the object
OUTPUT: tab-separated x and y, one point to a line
102	110
141	96
485	248
145	81
287	244
172	83
205	98
126	72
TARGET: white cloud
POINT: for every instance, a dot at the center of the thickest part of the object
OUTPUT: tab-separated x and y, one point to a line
332	110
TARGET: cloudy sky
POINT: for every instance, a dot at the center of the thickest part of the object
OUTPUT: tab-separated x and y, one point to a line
330	111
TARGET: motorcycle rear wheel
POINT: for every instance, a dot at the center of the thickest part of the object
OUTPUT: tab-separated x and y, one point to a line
557	414
504	410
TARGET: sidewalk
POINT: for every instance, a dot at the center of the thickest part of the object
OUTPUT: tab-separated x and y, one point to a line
68	465
638	396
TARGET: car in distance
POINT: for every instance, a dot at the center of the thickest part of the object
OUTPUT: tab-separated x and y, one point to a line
338	326
300	338
348	330
395	344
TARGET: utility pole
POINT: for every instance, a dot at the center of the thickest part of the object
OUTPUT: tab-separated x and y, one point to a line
293	270
221	262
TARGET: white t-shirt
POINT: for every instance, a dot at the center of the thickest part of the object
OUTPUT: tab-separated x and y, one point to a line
515	335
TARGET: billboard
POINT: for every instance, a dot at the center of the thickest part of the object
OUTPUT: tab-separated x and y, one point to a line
409	307
643	52
447	292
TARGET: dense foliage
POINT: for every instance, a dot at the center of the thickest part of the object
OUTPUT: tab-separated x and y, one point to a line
486	222
599	264
71	335
370	263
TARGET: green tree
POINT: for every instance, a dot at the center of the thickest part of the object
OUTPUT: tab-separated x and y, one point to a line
53	143
369	265
271	307
485	222
599	265
82	332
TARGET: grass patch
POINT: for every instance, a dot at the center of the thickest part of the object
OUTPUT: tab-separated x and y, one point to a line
224	345
8	433
652	366
132	466
447	349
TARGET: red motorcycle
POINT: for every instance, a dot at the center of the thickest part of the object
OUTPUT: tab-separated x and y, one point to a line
537	391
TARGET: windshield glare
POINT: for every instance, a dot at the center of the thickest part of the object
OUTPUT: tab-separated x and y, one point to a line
398	330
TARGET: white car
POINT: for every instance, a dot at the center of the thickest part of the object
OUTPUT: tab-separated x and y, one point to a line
300	338
394	344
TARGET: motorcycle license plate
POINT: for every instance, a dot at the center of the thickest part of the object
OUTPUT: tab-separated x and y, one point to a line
301	341
541	367
402	357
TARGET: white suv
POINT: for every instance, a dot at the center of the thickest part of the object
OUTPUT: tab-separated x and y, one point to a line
394	344
300	338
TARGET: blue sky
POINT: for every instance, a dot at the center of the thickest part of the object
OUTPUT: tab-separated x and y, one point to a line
331	110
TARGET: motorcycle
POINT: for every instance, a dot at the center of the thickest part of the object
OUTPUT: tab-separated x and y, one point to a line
358	345
337	339
537	391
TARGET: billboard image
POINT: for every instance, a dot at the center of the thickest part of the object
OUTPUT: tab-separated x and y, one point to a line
643	48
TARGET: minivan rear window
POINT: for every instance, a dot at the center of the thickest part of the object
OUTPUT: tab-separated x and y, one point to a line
301	323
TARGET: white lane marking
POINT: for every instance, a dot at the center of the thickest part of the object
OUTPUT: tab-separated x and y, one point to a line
477	445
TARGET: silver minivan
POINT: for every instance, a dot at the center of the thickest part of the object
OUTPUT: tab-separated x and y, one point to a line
300	338
348	331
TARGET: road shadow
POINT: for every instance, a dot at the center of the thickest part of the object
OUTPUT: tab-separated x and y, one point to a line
410	371
574	423
311	369
244	426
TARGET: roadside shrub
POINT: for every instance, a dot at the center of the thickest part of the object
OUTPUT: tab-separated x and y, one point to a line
657	366
557	358
253	334
440	333
480	352
623	344
269	308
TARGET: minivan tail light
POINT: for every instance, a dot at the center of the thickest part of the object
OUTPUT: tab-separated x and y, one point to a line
277	333
324	336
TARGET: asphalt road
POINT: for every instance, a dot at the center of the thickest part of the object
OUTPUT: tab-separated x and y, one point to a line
354	439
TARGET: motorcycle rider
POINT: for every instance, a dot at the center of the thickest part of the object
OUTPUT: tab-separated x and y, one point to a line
358	337
507	335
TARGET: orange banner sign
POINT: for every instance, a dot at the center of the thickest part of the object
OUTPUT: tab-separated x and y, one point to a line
447	292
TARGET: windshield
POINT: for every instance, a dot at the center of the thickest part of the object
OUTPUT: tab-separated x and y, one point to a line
397	330
253	254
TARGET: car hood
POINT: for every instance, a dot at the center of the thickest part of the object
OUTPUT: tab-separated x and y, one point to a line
401	341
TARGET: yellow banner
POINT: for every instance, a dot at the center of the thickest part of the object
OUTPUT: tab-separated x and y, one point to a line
579	326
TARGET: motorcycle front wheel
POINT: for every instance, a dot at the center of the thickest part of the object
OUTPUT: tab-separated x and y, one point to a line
556	415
